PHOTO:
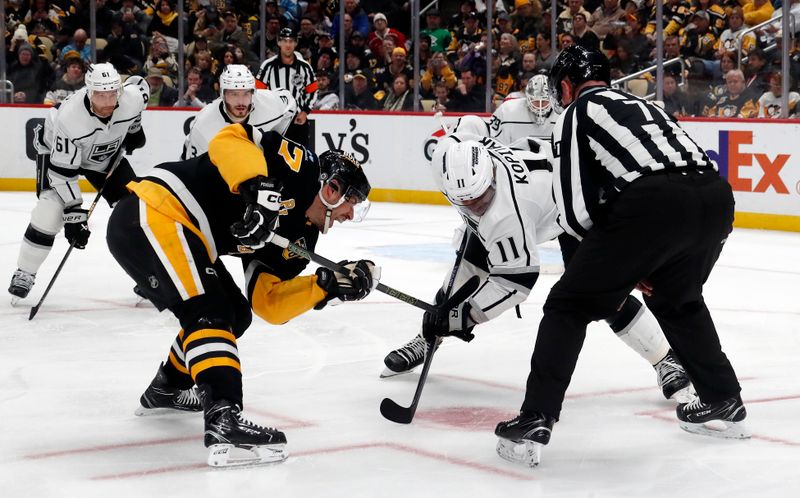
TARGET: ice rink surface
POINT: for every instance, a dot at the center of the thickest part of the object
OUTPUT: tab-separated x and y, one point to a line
71	379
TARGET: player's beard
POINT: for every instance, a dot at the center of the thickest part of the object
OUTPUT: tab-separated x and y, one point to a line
103	112
239	112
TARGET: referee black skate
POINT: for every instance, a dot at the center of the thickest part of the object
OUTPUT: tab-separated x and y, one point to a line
652	213
290	71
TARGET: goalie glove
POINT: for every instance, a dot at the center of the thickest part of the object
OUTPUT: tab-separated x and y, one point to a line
456	322
76	226
362	278
262	196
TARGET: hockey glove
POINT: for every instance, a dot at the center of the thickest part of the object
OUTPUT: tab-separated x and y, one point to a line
456	322
76	226
357	285
262	196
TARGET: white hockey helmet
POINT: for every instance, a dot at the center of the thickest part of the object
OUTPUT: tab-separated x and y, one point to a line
236	77
102	77
537	94
467	173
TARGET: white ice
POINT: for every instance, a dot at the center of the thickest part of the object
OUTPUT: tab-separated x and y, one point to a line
71	379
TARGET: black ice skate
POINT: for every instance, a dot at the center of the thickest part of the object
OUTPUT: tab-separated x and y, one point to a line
406	358
672	379
21	283
227	432
718	419
160	398
521	439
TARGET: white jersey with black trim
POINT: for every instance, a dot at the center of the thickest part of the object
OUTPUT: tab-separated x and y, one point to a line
521	215
513	121
75	137
272	110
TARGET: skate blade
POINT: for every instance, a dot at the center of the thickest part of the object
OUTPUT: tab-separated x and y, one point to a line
15	300
387	372
524	453
149	412
685	395
228	455
717	428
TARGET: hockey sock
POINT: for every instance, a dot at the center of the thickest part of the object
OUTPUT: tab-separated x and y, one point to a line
636	326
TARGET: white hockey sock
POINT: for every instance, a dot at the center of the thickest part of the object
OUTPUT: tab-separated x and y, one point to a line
643	334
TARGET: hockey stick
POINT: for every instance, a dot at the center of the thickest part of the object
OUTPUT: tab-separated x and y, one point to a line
327	263
389	408
400	414
35	309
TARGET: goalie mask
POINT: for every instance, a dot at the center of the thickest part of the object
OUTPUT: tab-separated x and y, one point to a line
467	174
344	174
537	94
104	87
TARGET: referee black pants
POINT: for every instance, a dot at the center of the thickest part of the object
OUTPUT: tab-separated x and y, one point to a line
667	229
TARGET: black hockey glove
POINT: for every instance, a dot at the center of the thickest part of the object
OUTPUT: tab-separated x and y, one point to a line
76	226
353	287
456	322
262	196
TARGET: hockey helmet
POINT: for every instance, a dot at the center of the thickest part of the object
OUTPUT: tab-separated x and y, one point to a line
141	84
344	173
537	94
102	77
467	173
236	77
579	64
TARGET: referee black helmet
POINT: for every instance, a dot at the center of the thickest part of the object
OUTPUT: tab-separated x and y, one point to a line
287	33
579	64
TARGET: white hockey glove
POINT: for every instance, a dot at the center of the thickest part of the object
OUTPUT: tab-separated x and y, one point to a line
262	196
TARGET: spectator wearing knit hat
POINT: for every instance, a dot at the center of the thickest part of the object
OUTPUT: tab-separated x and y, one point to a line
382	30
399	65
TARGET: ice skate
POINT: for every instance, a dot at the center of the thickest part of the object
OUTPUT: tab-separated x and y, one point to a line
521	439
234	441
406	358
21	283
672	379
161	399
719	419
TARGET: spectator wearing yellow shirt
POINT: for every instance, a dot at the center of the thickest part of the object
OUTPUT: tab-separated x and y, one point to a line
756	11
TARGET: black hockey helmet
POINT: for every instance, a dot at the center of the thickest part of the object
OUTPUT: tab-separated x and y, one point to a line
342	171
579	64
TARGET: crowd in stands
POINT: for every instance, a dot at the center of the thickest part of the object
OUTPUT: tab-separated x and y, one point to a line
47	49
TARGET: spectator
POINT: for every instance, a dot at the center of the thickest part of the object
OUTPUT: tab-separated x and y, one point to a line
165	22
464	38
161	58
566	40
756	11
604	18
386	75
400	97
676	14
475	60
358	95
78	45
582	34
327	100
736	101
230	34
271	36
526	18
125	48
358	19
757	72
442	95
672	50
544	53
43	17
69	83
726	63
30	75
194	81
199	44
674	98
134	20
468	95
698	41
716	14
623	62
503	25
206	21
307	43
82	15
358	44
528	63
326	61
382	30
640	46
161	95
465	8
437	70
769	104
353	61
440	37
564	21
208	88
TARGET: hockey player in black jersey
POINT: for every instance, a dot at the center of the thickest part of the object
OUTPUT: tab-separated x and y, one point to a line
652	213
230	201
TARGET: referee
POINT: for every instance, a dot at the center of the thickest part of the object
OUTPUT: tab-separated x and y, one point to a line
652	213
288	70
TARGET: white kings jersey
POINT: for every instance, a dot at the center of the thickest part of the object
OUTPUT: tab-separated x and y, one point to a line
76	138
272	110
513	121
521	215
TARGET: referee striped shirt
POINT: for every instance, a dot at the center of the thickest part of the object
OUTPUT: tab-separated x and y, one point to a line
297	77
604	141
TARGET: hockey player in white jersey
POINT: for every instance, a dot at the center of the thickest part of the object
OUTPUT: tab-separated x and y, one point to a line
505	198
533	116
87	135
240	102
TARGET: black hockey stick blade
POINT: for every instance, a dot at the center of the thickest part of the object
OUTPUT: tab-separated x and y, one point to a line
400	414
